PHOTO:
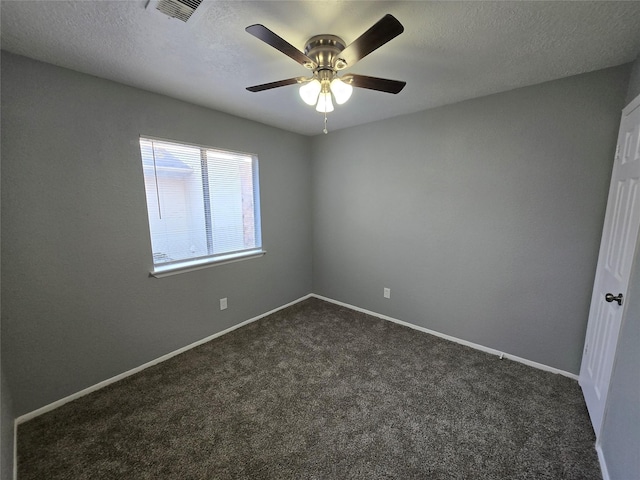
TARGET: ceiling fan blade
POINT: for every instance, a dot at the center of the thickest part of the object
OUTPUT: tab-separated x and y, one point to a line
267	36
387	28
375	83
268	86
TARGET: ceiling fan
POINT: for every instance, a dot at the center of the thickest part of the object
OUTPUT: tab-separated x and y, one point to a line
325	56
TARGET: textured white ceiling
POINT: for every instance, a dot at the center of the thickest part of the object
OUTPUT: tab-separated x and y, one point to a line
449	51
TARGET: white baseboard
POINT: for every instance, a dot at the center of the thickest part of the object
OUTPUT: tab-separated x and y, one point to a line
109	381
603	463
492	351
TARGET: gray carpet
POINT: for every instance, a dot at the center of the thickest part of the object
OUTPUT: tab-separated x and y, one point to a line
317	391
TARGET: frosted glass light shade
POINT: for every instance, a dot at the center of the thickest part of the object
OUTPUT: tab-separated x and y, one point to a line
309	92
341	91
325	105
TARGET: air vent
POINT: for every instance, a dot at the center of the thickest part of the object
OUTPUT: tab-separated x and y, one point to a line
180	9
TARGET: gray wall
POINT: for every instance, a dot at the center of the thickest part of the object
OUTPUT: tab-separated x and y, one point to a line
484	217
6	411
78	305
6	438
620	433
634	81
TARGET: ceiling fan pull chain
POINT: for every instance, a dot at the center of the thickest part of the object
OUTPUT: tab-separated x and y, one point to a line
325	124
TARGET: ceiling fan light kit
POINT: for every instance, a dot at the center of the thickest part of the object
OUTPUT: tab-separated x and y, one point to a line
325	105
341	91
309	92
319	89
325	56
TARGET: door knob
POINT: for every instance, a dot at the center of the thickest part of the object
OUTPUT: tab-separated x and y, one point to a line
609	297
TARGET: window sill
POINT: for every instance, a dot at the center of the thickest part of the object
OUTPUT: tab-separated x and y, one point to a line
191	265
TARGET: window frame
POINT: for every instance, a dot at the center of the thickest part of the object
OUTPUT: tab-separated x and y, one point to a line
211	260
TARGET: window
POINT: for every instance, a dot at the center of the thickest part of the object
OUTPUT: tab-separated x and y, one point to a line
203	205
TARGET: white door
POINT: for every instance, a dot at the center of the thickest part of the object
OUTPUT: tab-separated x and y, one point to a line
617	249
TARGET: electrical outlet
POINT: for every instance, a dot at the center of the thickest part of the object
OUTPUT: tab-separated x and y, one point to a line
223	303
387	292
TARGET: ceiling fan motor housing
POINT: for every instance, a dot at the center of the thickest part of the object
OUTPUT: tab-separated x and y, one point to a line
324	50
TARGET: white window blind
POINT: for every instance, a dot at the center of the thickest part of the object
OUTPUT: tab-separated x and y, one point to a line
203	204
